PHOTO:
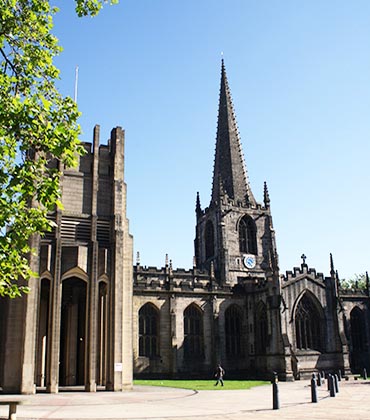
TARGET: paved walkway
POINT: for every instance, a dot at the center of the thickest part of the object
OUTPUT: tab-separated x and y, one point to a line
351	403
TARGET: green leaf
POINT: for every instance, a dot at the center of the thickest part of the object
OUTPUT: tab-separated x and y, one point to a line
37	126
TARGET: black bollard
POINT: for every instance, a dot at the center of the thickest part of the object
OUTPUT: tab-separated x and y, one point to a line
336	383
275	393
319	380
313	389
332	388
339	375
364	374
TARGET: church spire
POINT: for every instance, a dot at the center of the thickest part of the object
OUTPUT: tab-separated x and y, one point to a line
229	174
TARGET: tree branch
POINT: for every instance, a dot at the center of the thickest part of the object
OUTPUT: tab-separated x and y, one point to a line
8	61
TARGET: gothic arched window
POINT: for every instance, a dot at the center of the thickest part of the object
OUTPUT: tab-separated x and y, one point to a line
308	325
247	235
357	330
210	240
233	331
261	329
193	332
148	331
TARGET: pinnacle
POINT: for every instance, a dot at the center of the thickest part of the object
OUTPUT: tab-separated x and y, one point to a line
229	167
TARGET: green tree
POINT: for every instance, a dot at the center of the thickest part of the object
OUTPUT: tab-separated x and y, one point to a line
358	281
37	125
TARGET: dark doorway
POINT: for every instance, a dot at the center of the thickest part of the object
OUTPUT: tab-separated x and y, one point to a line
43	318
102	334
73	333
358	356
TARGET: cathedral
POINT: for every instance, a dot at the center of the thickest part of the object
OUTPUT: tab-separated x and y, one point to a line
95	319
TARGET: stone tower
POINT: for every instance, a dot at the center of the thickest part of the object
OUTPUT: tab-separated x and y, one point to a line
235	232
236	239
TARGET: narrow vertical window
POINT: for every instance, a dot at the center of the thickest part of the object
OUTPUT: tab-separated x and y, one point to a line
233	331
148	331
210	240
193	332
261	329
248	235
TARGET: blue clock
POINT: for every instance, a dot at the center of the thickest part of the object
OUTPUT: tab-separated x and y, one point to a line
249	261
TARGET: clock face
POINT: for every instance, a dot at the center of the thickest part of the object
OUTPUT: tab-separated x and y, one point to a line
249	261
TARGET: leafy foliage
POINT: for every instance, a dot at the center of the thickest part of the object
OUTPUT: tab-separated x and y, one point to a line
90	7
358	281
38	131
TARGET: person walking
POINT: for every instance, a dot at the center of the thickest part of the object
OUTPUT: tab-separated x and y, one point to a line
219	375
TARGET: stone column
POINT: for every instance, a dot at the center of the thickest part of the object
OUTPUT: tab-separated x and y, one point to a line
127	352
277	359
215	332
28	385
120	366
92	290
55	313
173	334
92	314
333	344
12	368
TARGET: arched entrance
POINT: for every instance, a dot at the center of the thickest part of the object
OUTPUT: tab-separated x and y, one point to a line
73	332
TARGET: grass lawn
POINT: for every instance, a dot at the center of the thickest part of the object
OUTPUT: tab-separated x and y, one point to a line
200	385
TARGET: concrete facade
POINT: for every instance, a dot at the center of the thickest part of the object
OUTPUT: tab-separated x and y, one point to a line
75	327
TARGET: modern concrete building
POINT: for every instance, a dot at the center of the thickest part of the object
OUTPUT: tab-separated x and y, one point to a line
74	328
92	318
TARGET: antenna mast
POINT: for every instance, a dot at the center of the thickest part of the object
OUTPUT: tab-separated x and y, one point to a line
76	84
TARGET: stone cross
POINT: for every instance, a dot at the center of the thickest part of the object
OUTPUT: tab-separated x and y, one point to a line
303	258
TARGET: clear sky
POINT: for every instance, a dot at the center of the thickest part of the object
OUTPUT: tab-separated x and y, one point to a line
299	73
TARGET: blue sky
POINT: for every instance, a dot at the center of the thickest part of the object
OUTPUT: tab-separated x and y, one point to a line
299	74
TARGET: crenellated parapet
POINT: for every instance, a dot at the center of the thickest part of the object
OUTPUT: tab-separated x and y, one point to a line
303	271
165	279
